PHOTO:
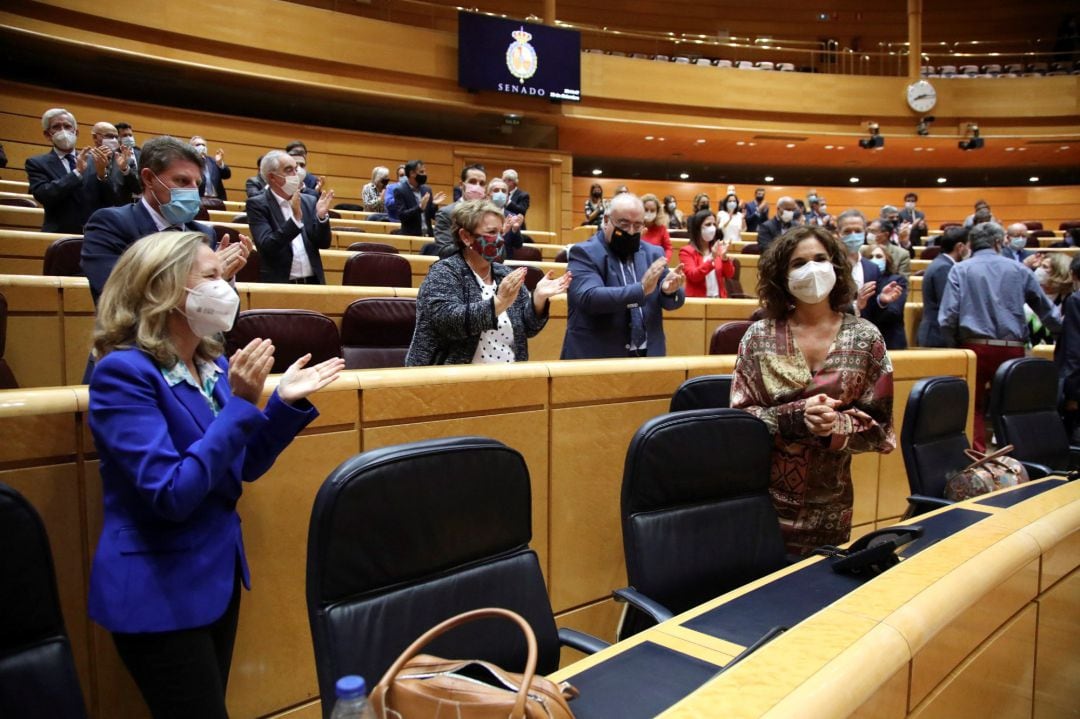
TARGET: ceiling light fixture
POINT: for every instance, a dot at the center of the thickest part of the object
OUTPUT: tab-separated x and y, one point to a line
768	178
853	180
942	180
598	171
684	176
1033	179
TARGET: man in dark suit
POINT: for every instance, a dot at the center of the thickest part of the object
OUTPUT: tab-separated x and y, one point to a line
621	287
416	207
769	230
296	148
473	187
915	218
70	186
517	200
126	134
214	170
170	174
289	227
954	248
869	297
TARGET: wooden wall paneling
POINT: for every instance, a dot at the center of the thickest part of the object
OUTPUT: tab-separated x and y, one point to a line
996	680
35	345
1058	650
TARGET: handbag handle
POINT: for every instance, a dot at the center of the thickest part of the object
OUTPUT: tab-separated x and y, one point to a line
427	637
978	461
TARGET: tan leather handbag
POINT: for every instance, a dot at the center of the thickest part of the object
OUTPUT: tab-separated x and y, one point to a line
421	686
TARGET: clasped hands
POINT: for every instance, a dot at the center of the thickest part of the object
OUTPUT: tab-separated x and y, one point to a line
821	416
250	365
233	255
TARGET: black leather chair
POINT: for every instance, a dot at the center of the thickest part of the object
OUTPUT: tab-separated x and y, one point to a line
37	668
406	536
697	518
932	439
726	338
63	258
711	391
7	377
1023	407
349	206
294	333
377	269
377	331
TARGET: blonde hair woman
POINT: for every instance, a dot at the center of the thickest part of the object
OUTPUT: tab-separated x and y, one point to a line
372	193
178	431
656	224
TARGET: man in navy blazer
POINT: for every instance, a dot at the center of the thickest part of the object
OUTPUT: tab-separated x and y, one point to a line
288	226
69	185
954	247
621	287
214	170
415	205
166	163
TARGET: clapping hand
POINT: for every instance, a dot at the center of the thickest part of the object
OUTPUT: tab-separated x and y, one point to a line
123	160
674	280
301	381
102	156
867	291
233	255
322	207
219	157
548	287
891	293
652	275
439	198
511	223
80	160
819	414
248	368
508	290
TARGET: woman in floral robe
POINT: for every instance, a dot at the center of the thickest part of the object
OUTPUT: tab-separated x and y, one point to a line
821	380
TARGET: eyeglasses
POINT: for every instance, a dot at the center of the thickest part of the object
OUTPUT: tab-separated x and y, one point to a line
627	226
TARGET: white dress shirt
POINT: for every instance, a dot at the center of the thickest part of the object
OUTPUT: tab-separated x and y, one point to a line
301	264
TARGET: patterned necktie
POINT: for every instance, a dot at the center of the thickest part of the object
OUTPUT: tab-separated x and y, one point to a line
637	314
70	159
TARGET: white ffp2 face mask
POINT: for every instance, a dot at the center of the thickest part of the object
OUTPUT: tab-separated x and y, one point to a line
812	282
211	308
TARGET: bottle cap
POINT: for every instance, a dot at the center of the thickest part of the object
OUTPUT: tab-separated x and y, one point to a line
350	687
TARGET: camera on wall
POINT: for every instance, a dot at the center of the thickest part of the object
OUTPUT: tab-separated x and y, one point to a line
923	128
875	141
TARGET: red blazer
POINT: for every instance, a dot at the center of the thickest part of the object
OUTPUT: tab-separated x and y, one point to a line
697	268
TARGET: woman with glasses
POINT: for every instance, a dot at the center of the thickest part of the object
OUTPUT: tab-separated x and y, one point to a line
471	308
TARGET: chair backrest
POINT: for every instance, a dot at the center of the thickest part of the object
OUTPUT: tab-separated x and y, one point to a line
752	249
931	252
932	437
377	269
376	332
250	272
1023	405
350	206
532	276
711	391
1033	224
37	668
946	225
293	332
1069	225
18	202
373	247
63	258
562	256
406	536
697	517
528	254
725	339
7	377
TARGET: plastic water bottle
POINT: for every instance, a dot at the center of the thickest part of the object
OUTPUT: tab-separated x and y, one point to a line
351	701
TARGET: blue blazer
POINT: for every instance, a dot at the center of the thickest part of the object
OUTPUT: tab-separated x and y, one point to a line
171	475
599	302
889	319
408	209
68	199
933	289
112	230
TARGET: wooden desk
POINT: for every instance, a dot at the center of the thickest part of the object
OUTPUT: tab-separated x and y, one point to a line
979	620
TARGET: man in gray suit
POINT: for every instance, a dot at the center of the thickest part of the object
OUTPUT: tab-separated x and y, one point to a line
473	187
954	248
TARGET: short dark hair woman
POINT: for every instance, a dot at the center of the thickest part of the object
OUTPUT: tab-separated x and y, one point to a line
820	378
471	308
705	258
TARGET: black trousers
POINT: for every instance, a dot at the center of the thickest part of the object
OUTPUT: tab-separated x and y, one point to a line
183	674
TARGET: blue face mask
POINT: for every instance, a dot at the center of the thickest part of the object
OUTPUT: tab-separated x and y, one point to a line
1018	243
183	204
854	241
499	198
879	262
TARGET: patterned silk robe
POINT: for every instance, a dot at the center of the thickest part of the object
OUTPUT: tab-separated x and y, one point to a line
811	476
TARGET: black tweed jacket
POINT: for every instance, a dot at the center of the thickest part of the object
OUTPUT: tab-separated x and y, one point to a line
451	313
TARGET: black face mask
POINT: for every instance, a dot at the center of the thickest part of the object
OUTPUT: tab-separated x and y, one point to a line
759	198
703	206
597	195
421	179
625	244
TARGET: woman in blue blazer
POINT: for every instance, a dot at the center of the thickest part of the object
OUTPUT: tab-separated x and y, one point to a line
178	430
